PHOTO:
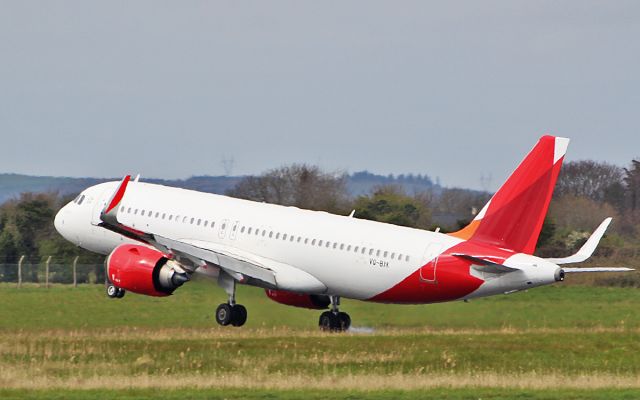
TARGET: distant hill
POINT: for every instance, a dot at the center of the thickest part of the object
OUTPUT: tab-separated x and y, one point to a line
11	185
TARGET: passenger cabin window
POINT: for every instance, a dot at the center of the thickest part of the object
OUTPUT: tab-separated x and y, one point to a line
206	223
135	212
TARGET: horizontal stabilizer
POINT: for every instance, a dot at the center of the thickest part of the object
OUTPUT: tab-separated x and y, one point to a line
587	249
596	269
488	264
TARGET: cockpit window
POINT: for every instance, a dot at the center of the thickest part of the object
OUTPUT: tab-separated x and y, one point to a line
76	199
81	200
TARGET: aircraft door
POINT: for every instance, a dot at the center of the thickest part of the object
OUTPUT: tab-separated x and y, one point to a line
430	263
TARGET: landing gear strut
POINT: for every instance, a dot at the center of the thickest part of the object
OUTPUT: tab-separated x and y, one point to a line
115	292
334	320
230	313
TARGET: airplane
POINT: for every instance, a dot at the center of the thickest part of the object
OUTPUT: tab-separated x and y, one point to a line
156	238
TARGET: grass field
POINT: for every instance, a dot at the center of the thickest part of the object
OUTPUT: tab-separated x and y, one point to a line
555	342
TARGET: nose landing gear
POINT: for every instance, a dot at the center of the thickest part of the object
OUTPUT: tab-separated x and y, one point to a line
334	320
114	292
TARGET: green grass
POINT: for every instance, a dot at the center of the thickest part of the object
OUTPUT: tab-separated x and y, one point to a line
86	307
444	394
551	342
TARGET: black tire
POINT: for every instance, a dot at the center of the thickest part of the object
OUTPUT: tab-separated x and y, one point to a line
224	314
238	315
120	293
328	321
112	291
344	321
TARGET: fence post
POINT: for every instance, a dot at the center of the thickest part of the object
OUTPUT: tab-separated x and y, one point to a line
46	274
20	271
75	263
106	278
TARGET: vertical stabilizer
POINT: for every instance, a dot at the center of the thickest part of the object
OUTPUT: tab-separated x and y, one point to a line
513	217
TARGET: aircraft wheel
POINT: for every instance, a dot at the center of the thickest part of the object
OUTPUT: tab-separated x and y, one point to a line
224	314
120	293
328	321
239	315
112	291
344	321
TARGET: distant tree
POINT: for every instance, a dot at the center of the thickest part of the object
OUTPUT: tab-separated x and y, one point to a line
632	185
461	201
297	185
598	181
390	204
547	232
579	213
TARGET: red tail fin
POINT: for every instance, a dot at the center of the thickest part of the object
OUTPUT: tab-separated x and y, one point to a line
513	217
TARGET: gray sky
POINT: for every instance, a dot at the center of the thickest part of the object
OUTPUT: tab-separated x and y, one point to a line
455	89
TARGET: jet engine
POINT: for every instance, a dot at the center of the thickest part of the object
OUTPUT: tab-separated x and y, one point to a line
312	301
144	270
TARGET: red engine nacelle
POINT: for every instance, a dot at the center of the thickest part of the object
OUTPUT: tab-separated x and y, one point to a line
313	301
144	270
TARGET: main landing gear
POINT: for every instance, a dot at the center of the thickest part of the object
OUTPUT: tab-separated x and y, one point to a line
115	292
230	313
334	320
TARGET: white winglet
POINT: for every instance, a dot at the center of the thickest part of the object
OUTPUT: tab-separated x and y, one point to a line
587	249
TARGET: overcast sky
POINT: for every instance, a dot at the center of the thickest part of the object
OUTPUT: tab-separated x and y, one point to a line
452	89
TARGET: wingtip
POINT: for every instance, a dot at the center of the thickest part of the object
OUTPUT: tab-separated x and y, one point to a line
118	195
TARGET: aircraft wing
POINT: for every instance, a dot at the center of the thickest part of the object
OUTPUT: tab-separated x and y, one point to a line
243	266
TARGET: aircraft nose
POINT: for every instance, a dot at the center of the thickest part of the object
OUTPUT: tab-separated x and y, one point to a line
58	221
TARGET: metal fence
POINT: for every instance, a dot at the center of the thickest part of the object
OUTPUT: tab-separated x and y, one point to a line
48	271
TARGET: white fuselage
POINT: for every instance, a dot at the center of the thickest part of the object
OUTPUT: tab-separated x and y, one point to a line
353	258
